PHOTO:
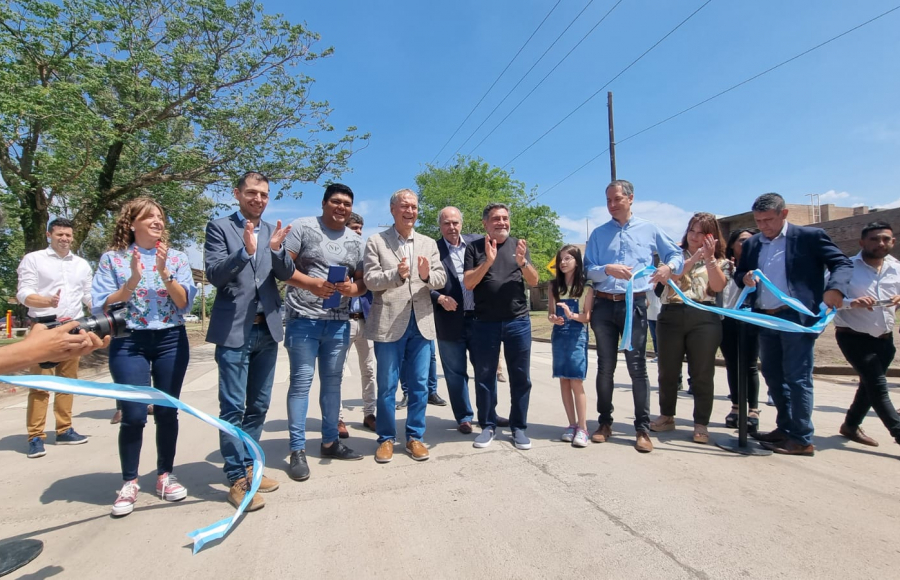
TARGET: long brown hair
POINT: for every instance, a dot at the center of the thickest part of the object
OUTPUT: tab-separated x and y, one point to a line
710	225
558	285
131	211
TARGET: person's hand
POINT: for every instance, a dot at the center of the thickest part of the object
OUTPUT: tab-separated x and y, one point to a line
618	271
833	298
895	300
662	275
424	269
490	250
521	248
708	249
345	287
557	320
864	302
54	300
137	270
58	344
249	238
749	280
322	288
278	237
565	308
403	269
162	252
448	302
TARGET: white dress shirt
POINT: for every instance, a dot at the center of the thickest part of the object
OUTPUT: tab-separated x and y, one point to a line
458	257
880	285
45	273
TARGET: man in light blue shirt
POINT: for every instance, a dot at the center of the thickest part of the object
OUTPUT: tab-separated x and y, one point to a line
615	251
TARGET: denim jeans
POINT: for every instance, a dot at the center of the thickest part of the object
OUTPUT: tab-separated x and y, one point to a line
515	335
245	390
456	374
432	374
608	322
412	352
159	357
870	357
306	340
787	365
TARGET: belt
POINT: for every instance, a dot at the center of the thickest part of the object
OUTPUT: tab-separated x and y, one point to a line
259	319
773	310
848	330
357	316
617	297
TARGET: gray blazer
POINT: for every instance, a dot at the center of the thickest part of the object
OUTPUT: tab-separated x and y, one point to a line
392	297
237	281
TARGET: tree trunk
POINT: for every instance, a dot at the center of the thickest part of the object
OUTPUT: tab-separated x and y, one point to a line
34	218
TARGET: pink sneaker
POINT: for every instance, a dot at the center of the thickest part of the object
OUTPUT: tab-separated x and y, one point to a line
127	497
169	489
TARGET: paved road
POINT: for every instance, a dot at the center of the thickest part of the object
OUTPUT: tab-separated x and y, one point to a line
683	511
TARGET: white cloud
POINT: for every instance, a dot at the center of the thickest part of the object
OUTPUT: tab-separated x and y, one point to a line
832	196
892	205
672	219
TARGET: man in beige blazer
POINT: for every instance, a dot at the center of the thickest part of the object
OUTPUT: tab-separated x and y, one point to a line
401	268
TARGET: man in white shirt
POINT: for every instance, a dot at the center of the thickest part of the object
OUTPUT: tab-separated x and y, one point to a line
54	284
864	332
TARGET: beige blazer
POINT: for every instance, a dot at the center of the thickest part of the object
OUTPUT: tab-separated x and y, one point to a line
393	298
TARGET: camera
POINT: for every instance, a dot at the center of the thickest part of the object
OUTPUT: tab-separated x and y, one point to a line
110	323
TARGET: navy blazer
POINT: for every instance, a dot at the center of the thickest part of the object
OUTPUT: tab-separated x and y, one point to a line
449	324
809	252
238	281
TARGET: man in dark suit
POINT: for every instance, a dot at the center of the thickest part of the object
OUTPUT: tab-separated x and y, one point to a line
795	259
244	257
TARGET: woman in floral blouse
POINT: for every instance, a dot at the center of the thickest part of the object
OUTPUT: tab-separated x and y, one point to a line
157	285
682	329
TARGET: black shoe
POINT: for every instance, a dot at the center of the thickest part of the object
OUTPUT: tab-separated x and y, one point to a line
403	402
339	451
435	399
299	470
731	420
502	421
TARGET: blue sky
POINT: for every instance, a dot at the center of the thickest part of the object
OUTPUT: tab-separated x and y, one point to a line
409	72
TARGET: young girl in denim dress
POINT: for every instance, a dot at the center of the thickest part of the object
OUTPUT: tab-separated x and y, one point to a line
570	312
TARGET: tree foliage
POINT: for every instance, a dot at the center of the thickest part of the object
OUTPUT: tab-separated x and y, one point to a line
470	184
105	100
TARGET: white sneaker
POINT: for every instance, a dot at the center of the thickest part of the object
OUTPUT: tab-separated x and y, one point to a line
169	489
127	497
581	438
569	434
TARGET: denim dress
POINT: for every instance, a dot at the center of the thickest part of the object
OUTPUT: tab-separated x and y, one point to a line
569	343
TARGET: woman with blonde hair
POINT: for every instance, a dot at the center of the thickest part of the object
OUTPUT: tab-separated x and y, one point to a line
683	329
157	286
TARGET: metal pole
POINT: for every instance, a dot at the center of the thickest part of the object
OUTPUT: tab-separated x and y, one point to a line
612	137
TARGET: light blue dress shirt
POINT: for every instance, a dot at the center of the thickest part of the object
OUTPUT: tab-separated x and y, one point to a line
458	257
632	244
772	263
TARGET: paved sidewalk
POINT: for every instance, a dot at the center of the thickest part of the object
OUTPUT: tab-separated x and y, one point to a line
683	511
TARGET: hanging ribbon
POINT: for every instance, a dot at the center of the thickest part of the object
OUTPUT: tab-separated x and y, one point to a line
825	316
151	396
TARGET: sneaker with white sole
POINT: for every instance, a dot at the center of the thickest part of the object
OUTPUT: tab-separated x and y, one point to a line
70	437
36	448
485	439
127	497
521	440
581	438
569	434
168	488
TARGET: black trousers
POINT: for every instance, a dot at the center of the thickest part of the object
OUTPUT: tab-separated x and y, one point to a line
729	348
870	357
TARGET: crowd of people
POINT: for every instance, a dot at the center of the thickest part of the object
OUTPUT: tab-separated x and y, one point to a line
401	296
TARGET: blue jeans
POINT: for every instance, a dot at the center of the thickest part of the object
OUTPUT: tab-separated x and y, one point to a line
787	365
245	390
160	356
515	335
456	375
411	351
432	375
306	340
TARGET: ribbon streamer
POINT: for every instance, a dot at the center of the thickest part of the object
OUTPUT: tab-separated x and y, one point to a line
151	396
825	315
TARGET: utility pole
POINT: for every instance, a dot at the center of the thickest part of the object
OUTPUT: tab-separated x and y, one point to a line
612	137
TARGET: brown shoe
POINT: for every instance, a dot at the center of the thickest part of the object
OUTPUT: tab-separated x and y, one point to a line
701	434
416	450
643	443
663	423
237	492
465	428
602	434
385	452
266	485
791	447
776	436
342	430
857	435
369	422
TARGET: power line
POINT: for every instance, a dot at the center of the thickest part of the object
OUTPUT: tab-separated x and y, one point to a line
520	81
610	81
717	95
546	76
496	80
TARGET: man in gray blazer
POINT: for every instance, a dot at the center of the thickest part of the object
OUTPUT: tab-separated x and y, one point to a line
401	267
244	256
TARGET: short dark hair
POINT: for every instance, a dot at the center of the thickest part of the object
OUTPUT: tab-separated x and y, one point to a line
627	187
491	207
355	218
336	188
879	225
60	223
768	202
242	180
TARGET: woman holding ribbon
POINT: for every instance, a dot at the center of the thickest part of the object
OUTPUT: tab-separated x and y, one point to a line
683	329
157	285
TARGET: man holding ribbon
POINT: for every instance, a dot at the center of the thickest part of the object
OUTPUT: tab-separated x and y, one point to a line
794	259
615	252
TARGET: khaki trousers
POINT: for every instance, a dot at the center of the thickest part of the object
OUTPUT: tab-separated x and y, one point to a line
38	401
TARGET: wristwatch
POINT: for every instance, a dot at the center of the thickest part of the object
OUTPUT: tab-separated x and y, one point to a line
171	278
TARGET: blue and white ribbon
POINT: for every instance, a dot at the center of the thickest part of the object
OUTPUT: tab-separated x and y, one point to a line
825	315
151	396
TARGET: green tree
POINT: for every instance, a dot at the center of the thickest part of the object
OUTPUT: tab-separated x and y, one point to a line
471	184
105	100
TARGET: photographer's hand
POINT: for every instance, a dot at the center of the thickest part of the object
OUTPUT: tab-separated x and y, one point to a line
49	345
